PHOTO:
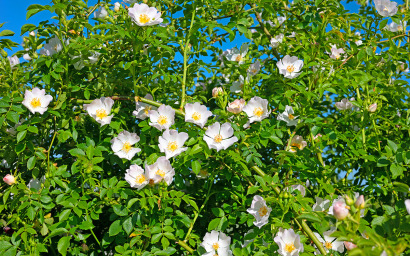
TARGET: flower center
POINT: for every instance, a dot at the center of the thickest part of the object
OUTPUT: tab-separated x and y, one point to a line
196	116
258	111
296	145
144	18
35	103
172	146
215	246
147	109
399	27
290	247
160	173
291	117
263	211
328	245
126	147
337	56
385	9
162	120
238	58
140	179
218	138
101	113
290	68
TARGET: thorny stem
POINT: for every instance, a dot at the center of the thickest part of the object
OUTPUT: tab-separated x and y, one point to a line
302	224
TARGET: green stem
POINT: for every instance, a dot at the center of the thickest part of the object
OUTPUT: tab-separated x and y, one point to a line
185	246
49	149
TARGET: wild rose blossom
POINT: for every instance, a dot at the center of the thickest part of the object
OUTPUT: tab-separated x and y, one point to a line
336	53
290	67
236	106
257	109
288	242
160	170
14	61
136	177
330	243
142	109
260	211
162	118
321	205
237	55
197	114
122	145
254	68
288	117
349	245
220	137
339	210
217	91
53	46
100	110
237	86
216	243
143	15
407	204
297	142
386	8
171	143
36	100
276	41
100	13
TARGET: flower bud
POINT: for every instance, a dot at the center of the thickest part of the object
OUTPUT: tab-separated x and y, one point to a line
217	91
236	106
84	247
117	6
340	211
32	33
349	201
349	245
373	108
9	179
359	202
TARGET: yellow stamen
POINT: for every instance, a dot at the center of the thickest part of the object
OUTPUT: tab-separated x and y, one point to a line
218	138
146	109
35	103
258	112
238	58
101	113
290	68
291	117
196	116
337	56
215	246
328	245
263	211
160	173
140	179
296	145
144	18
126	147
172	146
290	247
162	120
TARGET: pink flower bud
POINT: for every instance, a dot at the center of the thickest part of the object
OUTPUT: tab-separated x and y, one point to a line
216	92
236	106
373	108
340	210
359	202
349	245
32	33
9	179
317	136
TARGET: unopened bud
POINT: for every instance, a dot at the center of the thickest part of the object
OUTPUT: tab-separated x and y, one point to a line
359	202
32	33
84	247
349	245
9	179
217	91
117	6
340	210
373	108
349	201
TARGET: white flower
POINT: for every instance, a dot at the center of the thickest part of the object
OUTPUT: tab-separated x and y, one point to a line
160	170
94	57
36	184
117	6
321	205
297	142
122	145
197	114
136	177
79	64
260	211
163	118
237	86
288	242
281	19
171	142
299	187
220	137
257	109
130	1
100	13
142	109
290	66
217	91
288	117
14	61
386	8
407	203
26	56
336	53
344	104
236	106
341	211
53	46
100	109
394	27
254	68
216	243
359	41
36	100
235	55
276	41
330	243
384	253
143	15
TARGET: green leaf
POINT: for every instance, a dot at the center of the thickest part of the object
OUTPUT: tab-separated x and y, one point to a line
120	210
218	212
31	213
276	139
392	145
31	162
195	149
214	224
397	170
76	152
21	135
155	238
310	217
127	225
63	244
13	116
64	215
115	228
33	129
196	167
6	32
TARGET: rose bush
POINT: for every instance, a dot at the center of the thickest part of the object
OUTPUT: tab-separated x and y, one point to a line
294	142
